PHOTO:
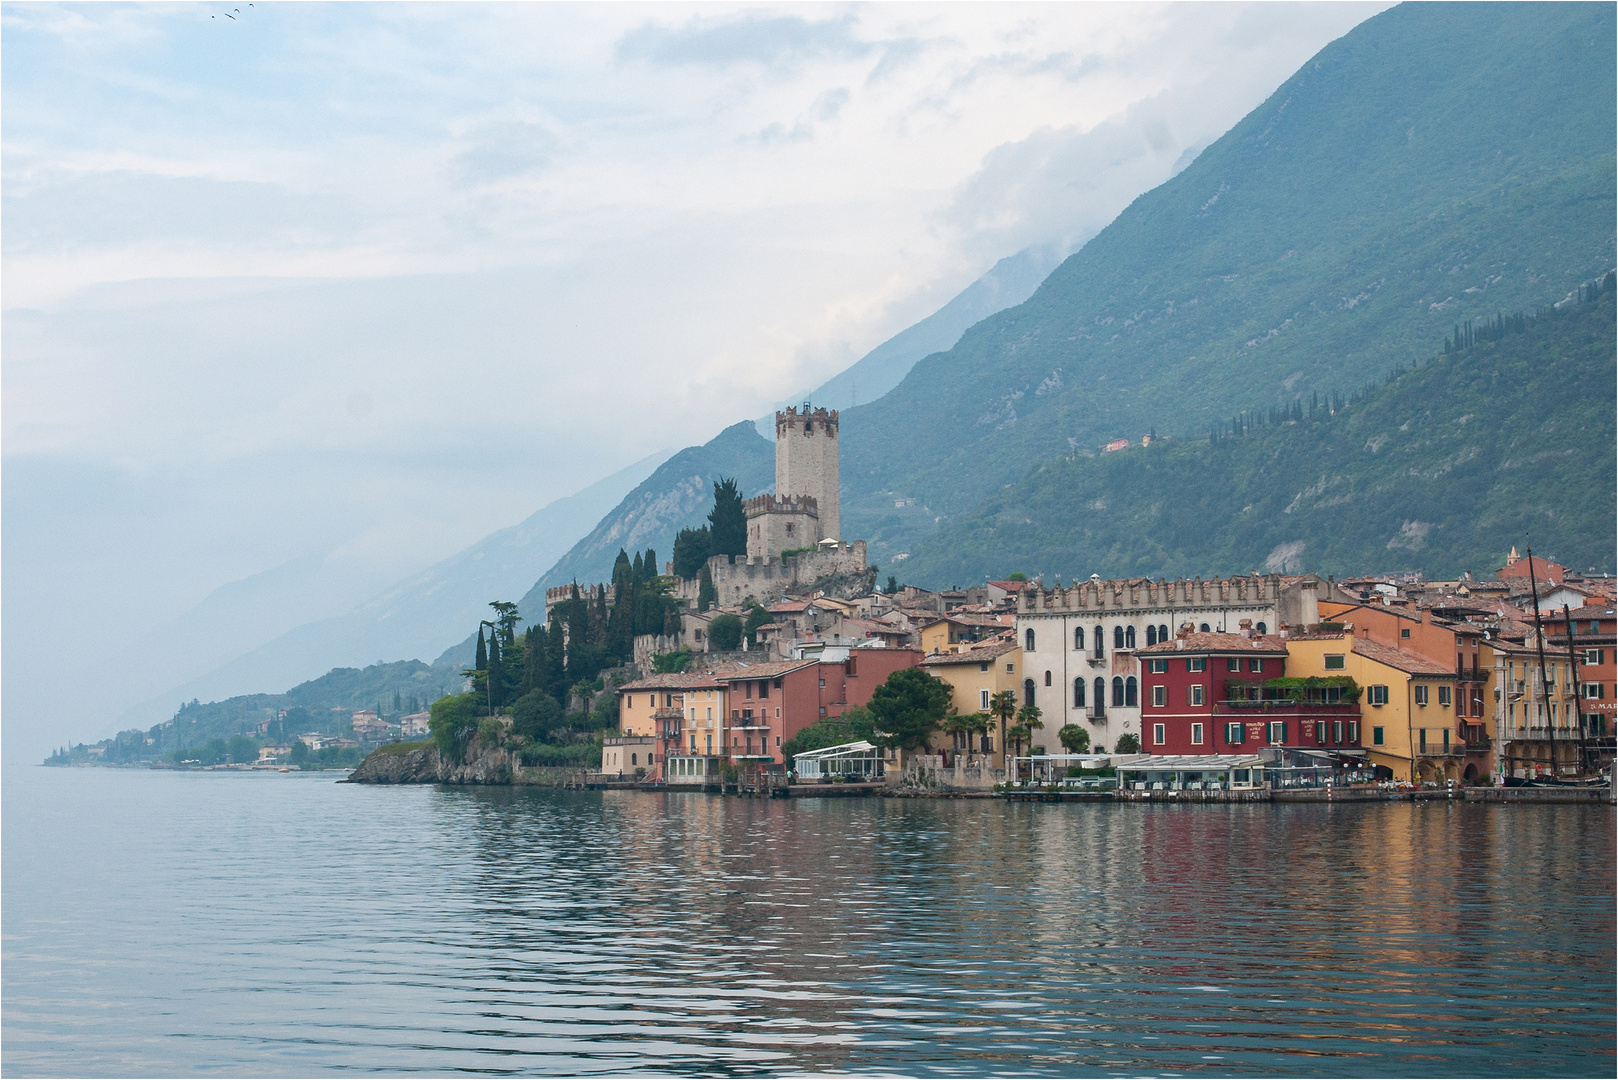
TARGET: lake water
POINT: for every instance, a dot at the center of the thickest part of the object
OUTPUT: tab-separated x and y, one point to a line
169	923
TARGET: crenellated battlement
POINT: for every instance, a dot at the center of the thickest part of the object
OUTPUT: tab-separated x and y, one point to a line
806	505
809	421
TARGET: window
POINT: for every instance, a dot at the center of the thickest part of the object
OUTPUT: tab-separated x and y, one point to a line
1131	687
1196	734
1028	691
1234	734
1404	632
1592	690
1047	678
822	684
1195	694
1377	737
1151	635
1157	667
1337	731
1421	695
1078	638
1320	731
1117	637
1233	663
1256	664
1129	637
1334	662
1162	633
1376	694
1197	663
1159	735
634	759
1028	640
764	685
1278	732
1117	692
1593	656
1011	669
1101	695
983	700
1421	739
1160	696
1078	693
1444	696
983	666
1204	628
1099	642
1354	732
1261	628
1446	740
823	710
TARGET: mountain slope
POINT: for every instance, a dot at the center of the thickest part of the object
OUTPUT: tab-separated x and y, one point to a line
416	617
1009	282
1439	162
1443	469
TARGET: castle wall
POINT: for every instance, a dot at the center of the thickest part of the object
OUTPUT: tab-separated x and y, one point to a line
780	524
806	462
767	580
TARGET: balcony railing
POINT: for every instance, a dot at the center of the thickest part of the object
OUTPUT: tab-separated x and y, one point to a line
1286	705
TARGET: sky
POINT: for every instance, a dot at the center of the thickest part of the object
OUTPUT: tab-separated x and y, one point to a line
351	286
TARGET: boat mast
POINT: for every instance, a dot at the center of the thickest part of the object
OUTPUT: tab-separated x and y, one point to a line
1539	644
1573	681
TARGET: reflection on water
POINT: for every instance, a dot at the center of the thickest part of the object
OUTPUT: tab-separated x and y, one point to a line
160	923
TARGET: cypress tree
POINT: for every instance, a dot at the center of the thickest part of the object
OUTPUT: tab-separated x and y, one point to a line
482	661
727	523
649	565
496	673
706	593
638	568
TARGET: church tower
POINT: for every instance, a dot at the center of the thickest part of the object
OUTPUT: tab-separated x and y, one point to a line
806	462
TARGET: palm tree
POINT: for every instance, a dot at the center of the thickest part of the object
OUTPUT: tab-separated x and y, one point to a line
1003	705
1028	721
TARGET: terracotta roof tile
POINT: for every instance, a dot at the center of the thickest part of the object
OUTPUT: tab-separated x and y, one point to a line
1407	662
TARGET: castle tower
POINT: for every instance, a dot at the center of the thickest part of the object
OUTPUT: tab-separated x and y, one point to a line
806	462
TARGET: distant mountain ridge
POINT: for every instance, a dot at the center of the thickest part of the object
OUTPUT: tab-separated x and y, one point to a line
416	617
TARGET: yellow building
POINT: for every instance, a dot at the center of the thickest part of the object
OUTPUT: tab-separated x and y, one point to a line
974	676
1407	708
943	635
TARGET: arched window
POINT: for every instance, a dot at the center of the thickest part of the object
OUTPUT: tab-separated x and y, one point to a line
1028	691
1099	640
1131	698
1047	678
1162	633
1151	635
1117	637
1078	638
1117	692
1101	696
1129	637
1261	628
1204	630
1028	640
1078	693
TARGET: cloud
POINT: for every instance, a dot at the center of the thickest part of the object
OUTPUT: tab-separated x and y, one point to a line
503	151
773	40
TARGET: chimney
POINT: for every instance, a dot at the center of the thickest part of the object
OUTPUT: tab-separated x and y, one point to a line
1246	627
1185	630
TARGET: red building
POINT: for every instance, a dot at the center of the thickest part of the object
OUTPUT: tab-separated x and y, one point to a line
1205	693
770	703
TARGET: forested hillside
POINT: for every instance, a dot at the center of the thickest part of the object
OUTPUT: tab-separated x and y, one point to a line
321	705
1442	468
1438	163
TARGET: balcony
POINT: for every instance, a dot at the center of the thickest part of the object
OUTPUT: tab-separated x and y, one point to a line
1286	706
749	725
